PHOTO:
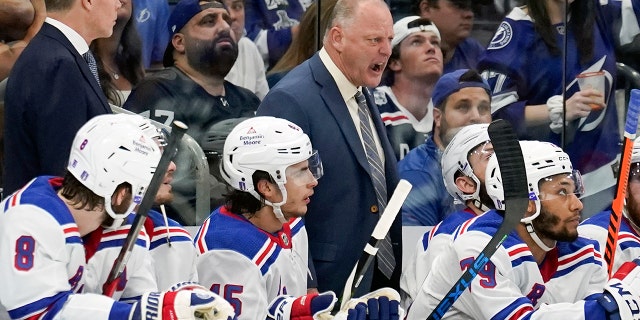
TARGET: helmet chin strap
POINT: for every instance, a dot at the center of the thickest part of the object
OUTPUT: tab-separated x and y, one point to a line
276	206
480	205
118	219
536	239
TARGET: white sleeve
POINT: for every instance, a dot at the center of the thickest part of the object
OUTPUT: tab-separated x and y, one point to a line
139	273
237	279
176	262
49	270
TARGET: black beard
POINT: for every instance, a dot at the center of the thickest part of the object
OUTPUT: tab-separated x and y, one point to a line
211	60
544	224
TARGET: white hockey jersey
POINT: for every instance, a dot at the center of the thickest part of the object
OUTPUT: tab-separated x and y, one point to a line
172	250
512	285
249	267
43	267
628	245
427	249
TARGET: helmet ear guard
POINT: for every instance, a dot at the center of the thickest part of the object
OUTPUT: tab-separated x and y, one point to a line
455	158
113	149
266	144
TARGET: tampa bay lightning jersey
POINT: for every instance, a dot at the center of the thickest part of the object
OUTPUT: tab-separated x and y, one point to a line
248	266
404	131
521	71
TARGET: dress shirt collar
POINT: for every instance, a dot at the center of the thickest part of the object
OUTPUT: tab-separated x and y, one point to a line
347	89
74	37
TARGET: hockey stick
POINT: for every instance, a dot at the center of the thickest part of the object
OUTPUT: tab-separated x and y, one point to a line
379	232
514	182
177	131
630	128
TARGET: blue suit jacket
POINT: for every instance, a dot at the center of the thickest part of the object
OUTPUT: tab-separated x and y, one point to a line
343	209
50	94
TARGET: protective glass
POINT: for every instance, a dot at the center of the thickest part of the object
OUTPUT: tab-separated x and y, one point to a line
575	187
304	175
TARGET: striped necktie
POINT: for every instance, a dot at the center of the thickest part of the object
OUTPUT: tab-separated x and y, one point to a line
386	261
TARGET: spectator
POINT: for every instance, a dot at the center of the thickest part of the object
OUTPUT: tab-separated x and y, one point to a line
248	71
273	178
151	18
412	71
302	48
543	269
460	98
454	19
463	166
119	57
528	88
44	112
192	88
20	20
272	25
323	96
43	224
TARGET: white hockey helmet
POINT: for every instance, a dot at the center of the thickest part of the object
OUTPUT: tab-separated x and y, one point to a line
267	144
635	153
541	160
113	149
455	158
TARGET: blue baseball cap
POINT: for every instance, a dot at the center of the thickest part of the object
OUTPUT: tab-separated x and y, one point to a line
452	82
180	16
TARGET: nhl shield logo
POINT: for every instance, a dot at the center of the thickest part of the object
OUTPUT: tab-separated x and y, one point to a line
285	239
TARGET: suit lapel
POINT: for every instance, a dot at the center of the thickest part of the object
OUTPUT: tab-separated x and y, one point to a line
56	34
338	108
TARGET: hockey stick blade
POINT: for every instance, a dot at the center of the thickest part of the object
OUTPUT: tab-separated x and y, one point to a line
177	131
511	163
379	232
617	206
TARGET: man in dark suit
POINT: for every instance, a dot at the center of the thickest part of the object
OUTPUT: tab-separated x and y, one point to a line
52	91
319	96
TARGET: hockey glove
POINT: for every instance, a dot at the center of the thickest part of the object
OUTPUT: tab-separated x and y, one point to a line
624	289
184	304
382	304
308	307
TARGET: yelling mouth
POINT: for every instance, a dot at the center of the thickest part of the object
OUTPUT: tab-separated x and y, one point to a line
377	67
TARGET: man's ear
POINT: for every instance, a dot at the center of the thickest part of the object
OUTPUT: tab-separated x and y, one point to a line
465	184
395	65
178	42
336	38
531	208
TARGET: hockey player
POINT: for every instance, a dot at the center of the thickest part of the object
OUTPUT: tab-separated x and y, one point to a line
414	67
525	67
543	270
255	248
111	163
596	227
463	167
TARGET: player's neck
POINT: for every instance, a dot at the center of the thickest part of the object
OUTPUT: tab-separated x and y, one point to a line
266	220
537	252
